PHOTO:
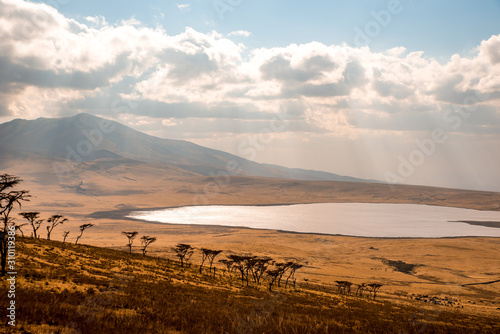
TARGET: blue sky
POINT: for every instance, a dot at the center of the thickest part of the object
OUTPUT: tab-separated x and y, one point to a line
439	28
421	105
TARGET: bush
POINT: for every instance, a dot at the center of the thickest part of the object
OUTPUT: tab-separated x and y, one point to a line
405	268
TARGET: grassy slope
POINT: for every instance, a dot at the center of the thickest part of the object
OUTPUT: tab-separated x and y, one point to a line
63	288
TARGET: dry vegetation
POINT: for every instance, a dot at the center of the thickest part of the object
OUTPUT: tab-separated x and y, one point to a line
445	285
67	288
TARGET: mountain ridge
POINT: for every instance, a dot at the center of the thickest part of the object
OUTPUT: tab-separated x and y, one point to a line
84	137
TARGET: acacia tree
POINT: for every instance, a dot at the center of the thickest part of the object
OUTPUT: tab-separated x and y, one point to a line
211	257
209	254
18	227
131	236
183	252
374	287
360	288
54	220
259	267
228	264
32	218
273	276
146	241
65	234
8	200
282	268
204	256
344	287
82	229
239	263
293	268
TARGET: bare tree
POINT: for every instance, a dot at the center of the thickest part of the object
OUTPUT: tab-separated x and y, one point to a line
344	287
54	220
18	227
228	264
374	287
360	288
259	267
293	268
273	276
82	229
282	268
131	236
279	271
209	254
32	218
204	256
248	266
240	263
8	200
65	234
183	252
146	241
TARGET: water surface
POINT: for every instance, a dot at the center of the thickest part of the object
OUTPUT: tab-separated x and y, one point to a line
355	219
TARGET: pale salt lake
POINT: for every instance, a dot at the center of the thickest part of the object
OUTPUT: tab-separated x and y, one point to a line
352	219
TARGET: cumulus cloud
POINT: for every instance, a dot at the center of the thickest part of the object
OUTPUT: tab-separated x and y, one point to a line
72	66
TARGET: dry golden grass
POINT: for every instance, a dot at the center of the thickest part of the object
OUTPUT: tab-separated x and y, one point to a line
95	290
444	266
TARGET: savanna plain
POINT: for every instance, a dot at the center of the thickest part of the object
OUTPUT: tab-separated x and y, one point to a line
445	285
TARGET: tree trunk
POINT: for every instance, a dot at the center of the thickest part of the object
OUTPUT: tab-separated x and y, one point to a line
3	251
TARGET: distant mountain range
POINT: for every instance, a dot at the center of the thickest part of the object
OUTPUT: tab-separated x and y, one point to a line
85	138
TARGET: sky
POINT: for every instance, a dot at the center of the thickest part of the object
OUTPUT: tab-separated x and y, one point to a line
401	91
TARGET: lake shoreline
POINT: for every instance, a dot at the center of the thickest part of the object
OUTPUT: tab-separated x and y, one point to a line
426	220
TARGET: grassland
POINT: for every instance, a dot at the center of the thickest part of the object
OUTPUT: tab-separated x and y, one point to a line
67	288
63	288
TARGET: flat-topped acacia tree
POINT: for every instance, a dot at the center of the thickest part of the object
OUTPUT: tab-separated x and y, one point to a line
260	268
8	200
183	252
204	256
32	218
238	263
82	229
273	276
282	267
211	259
228	264
360	288
54	220
146	241
374	287
131	236
209	254
293	268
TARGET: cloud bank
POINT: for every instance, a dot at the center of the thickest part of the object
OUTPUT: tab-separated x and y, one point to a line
205	85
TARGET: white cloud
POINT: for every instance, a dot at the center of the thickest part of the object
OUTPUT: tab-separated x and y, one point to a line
396	51
61	60
241	33
339	99
185	7
98	21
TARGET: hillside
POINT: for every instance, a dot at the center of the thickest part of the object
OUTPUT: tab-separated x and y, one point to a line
63	288
87	138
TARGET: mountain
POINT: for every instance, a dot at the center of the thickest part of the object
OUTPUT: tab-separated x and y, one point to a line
87	138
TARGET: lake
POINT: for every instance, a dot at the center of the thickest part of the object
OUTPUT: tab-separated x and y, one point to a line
353	219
